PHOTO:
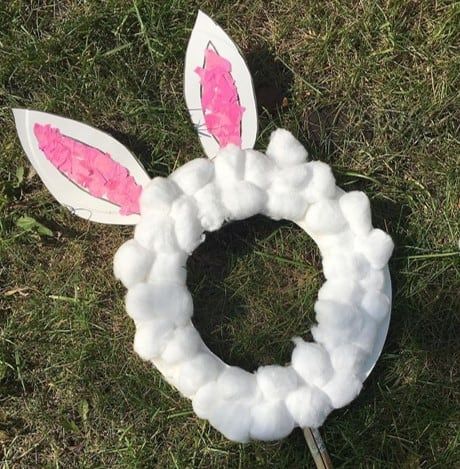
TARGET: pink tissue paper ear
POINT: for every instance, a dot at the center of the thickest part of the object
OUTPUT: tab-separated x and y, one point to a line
219	99
91	169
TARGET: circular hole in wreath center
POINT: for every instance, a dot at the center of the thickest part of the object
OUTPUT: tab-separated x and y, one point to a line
254	283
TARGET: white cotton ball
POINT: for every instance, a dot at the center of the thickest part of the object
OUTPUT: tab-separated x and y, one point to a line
170	301
188	230
308	406
229	165
259	169
356	209
376	304
377	247
270	421
342	389
183	345
311	361
232	419
132	263
243	200
169	268
158	196
349	358
276	381
156	232
321	184
335	313
367	334
285	149
197	372
344	290
193	175
236	383
324	217
345	265
289	205
291	178
205	400
373	280
151	337
211	210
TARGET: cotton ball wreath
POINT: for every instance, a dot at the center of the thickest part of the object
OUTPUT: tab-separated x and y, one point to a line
193	175
352	305
132	263
285	149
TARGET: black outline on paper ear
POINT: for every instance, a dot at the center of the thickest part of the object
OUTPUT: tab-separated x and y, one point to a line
78	200
205	32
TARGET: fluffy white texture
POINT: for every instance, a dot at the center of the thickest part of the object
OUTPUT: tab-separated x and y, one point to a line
259	169
229	165
193	175
356	209
351	265
376	304
285	149
311	361
169	268
270	421
366	337
156	232
350	359
321	185
187	226
243	200
233	419
132	263
342	389
183	345
324	216
211	211
291	178
152	337
346	290
236	383
197	372
377	247
158	196
167	300
276	381
373	280
308	406
206	399
289	205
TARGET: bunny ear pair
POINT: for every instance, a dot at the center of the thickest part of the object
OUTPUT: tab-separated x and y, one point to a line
97	178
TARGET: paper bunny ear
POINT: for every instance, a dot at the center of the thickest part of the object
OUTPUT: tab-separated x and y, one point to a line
86	170
218	89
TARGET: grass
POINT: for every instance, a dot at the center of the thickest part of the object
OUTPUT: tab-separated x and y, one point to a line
372	88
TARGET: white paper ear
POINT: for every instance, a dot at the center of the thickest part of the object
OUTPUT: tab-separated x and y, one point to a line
218	89
86	170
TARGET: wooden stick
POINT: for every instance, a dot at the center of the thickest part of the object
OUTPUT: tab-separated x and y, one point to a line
317	448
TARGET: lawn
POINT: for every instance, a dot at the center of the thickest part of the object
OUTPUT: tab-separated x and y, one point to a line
370	87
